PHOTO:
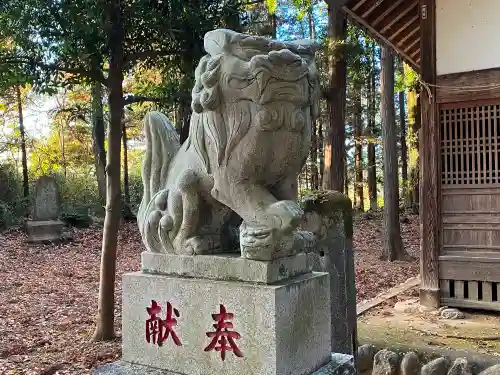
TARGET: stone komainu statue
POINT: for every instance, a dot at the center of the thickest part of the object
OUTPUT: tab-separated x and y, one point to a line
253	104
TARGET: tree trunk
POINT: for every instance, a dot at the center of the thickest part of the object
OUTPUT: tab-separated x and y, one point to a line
126	185
314	135
310	18
412	142
321	140
184	116
334	147
393	244
416	176
106	304
346	183
358	149
24	157
274	25
404	150
63	150
371	131
98	133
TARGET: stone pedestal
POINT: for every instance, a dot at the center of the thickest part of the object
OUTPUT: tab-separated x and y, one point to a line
44	231
269	325
328	214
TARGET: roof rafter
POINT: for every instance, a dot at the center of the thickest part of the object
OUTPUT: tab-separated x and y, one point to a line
372	8
398	17
412	44
358	5
414	30
405	25
363	23
388	11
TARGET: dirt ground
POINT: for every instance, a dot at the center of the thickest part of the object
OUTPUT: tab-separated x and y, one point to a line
49	294
401	322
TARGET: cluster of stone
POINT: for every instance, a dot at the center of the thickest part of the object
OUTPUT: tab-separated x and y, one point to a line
386	362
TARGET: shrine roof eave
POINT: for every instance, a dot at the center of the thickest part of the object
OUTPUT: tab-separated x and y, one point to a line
396	23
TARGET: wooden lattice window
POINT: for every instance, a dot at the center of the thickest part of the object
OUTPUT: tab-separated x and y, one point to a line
469	144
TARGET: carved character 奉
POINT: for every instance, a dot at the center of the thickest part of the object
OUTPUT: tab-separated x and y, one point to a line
253	103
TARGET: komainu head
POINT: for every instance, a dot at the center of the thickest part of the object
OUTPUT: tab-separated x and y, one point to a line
238	84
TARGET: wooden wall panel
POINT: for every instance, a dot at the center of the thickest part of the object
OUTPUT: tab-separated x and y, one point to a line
457	87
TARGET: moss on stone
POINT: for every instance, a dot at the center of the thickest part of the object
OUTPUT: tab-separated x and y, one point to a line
326	202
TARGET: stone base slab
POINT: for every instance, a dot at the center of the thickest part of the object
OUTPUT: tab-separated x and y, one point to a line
341	364
282	329
44	231
230	267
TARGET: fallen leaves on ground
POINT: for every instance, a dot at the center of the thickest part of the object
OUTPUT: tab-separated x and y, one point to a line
49	294
374	276
49	302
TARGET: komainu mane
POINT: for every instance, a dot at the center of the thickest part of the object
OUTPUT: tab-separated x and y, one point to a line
253	104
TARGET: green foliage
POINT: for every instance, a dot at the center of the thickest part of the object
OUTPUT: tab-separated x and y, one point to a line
79	194
76	219
12	203
136	191
408	80
6	216
272	6
10	183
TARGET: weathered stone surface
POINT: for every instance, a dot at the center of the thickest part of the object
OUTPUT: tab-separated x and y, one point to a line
439	366
47	204
284	328
364	359
385	362
44	231
230	267
493	370
249	137
460	367
410	364
127	368
451	314
341	364
328	214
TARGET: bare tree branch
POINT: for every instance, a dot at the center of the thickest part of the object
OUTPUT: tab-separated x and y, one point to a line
130	99
132	58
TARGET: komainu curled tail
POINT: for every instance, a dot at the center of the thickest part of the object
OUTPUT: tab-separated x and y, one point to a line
162	143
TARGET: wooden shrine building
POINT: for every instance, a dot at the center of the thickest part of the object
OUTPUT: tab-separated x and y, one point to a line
453	44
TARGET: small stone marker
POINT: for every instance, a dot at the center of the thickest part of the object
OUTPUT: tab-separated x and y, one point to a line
451	314
45	226
365	356
410	364
460	367
438	366
385	363
47	199
493	370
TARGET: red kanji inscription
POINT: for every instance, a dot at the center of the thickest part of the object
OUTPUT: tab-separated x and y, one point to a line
157	329
222	335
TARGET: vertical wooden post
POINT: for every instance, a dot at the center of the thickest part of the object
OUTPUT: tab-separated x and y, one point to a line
429	167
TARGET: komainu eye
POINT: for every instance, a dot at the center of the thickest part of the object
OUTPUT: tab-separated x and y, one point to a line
298	120
268	119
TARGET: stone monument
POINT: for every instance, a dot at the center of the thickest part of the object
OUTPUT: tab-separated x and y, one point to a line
45	225
226	285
